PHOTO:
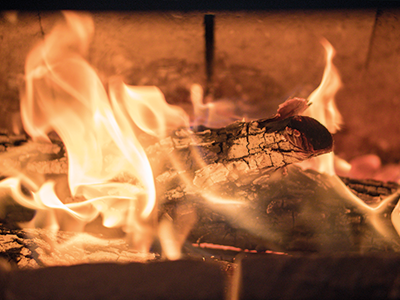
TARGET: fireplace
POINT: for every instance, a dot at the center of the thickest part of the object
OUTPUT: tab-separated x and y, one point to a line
247	63
281	49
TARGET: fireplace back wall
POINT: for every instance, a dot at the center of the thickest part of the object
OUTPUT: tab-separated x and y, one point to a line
260	59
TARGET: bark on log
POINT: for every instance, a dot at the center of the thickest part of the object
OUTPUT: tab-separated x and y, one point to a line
292	210
33	248
214	156
238	182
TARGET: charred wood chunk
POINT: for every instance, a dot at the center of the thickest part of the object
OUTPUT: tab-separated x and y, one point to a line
10	140
370	190
14	250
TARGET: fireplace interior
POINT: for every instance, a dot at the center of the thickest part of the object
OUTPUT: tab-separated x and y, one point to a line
247	62
260	59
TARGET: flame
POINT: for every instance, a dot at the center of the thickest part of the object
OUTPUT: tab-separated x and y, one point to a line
323	108
107	165
108	169
173	233
146	105
218	113
322	99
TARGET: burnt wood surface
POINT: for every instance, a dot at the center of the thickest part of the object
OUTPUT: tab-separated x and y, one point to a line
212	156
288	210
267	205
291	211
207	157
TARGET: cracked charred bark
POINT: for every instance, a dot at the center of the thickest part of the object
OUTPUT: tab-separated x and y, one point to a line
287	210
240	183
231	154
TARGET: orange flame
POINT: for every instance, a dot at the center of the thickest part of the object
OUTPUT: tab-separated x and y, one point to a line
107	165
323	108
322	99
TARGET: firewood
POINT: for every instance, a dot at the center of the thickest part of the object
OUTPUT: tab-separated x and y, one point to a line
292	210
287	210
33	248
241	183
371	191
213	156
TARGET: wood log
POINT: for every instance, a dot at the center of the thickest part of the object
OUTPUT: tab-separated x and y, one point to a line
183	279
33	248
240	183
287	210
214	156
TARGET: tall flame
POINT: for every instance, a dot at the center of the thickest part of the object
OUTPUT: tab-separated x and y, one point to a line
322	99
107	165
323	108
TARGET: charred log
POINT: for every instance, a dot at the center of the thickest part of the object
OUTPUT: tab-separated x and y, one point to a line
288	210
241	184
371	191
368	276
214	156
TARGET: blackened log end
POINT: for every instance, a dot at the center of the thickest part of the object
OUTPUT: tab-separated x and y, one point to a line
304	133
309	134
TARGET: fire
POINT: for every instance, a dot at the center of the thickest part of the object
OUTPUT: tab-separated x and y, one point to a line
108	169
109	172
323	108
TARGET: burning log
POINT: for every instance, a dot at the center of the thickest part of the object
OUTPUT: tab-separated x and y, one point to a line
238	182
161	280
207	157
246	196
289	210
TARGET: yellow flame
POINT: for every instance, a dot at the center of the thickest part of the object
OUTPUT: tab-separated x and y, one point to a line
107	165
146	106
323	108
322	99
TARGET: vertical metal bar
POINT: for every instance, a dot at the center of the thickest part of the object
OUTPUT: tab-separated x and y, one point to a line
210	48
372	38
